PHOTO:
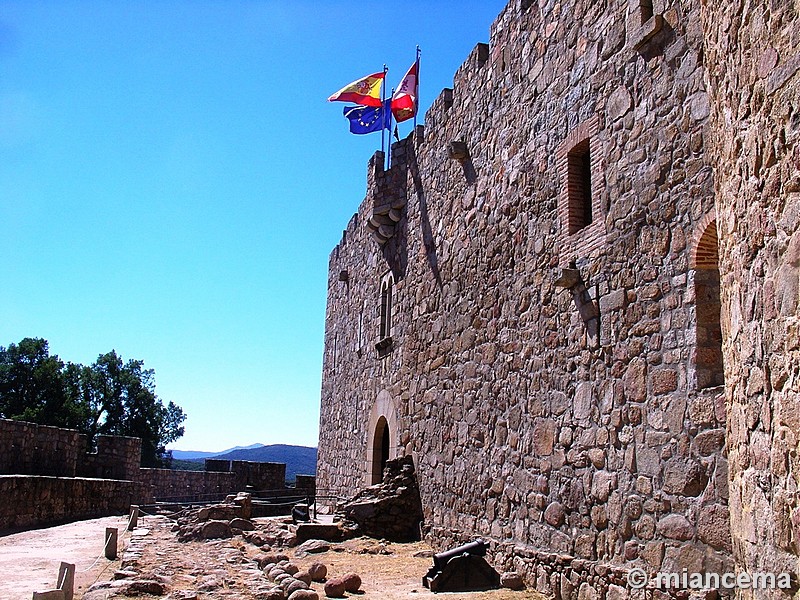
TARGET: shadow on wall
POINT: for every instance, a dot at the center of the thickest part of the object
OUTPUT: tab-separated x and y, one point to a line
419	190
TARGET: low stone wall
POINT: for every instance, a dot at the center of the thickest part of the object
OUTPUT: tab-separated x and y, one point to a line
29	500
258	475
36	462
165	484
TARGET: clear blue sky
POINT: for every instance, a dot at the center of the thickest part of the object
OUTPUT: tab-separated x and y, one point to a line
172	182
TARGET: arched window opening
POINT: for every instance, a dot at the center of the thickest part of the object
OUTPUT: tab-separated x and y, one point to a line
380	450
708	353
386	307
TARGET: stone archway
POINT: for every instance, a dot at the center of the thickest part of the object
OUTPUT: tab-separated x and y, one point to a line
382	438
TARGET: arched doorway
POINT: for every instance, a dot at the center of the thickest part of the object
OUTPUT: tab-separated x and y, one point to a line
380	449
382	437
708	365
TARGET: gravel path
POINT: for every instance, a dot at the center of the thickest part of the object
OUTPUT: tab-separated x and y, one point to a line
203	570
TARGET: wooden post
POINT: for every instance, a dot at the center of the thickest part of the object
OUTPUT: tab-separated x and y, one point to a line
112	537
134	518
66	579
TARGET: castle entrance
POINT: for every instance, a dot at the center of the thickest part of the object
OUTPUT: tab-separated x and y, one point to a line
380	450
382	438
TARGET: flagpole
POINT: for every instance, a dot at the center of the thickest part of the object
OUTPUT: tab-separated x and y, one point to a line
389	155
416	105
383	101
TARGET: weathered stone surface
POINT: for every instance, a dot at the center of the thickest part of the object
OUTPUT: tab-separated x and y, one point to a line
512	580
312	547
335	588
242	524
304	595
684	477
676	527
554	514
145	586
713	527
352	582
318	571
215	529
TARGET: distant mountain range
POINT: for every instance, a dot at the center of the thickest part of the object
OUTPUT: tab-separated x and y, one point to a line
299	460
191	454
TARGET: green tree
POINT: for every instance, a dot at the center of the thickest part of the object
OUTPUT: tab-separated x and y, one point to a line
124	402
32	386
110	397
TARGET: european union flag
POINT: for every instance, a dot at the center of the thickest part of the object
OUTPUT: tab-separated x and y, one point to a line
366	119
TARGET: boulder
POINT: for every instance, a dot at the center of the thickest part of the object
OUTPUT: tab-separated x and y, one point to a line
512	580
352	582
318	571
215	529
312	547
243	524
334	588
304	595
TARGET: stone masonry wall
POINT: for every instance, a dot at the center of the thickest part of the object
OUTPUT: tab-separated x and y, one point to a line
166	484
30	449
545	382
753	68
116	457
109	476
32	501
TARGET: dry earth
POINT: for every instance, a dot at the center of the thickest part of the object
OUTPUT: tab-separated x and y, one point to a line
204	570
29	560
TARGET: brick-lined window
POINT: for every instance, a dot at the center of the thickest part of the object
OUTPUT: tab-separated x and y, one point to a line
580	209
386	307
709	370
579	186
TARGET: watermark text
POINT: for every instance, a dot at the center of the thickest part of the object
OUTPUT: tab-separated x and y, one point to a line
686	580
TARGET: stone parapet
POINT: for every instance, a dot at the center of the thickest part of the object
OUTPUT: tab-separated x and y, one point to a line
33	501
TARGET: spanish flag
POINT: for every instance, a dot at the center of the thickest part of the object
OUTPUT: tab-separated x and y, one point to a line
365	91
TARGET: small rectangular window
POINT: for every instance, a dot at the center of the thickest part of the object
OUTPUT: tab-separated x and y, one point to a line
579	186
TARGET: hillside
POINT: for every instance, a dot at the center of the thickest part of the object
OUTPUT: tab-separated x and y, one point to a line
193	454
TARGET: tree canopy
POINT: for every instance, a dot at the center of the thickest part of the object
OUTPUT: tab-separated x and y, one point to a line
109	397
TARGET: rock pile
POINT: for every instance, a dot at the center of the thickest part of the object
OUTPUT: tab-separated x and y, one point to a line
390	510
229	519
291	582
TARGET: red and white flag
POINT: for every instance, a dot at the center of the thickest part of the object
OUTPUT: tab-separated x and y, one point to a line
404	100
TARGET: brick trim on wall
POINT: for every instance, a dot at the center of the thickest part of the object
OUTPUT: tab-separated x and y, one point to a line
590	239
705	251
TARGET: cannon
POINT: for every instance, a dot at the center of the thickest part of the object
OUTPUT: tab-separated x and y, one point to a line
300	513
462	569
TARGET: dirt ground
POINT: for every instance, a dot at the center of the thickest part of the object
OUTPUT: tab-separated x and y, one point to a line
202	570
29	560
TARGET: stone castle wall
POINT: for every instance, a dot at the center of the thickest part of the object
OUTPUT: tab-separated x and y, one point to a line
32	500
29	449
62	481
557	382
116	457
754	74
